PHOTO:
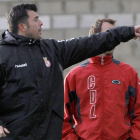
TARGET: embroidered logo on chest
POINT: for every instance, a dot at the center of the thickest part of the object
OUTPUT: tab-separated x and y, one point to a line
116	82
47	62
22	65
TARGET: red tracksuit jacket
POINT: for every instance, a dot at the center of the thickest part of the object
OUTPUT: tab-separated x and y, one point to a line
102	101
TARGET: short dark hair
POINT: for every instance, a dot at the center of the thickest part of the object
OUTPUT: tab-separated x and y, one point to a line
17	15
96	27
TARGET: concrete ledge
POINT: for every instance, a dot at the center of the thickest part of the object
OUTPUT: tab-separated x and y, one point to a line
55	34
87	20
77	7
105	6
131	6
76	33
46	22
3	23
122	19
50	8
137	19
64	21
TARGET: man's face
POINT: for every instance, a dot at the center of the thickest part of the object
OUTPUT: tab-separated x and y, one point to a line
34	25
106	26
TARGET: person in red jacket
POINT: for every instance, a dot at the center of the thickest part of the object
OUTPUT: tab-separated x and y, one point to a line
102	97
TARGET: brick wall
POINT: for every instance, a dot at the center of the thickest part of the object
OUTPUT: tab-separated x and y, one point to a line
65	19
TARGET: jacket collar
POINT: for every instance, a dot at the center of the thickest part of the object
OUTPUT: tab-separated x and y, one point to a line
101	60
9	38
24	40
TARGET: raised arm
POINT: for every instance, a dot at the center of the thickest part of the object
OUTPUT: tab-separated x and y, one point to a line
75	50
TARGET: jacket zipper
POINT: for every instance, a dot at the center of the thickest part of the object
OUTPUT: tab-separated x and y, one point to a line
102	60
31	55
102	86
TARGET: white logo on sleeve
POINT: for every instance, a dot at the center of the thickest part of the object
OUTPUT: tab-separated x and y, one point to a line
22	65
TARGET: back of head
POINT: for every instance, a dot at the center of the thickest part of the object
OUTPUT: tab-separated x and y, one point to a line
97	26
17	15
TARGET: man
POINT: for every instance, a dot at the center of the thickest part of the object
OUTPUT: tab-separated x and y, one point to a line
102	97
31	95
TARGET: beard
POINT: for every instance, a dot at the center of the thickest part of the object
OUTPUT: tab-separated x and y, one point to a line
33	35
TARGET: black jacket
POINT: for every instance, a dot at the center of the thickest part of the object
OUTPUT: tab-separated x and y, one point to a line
31	79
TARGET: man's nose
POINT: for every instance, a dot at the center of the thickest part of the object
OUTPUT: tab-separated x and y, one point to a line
41	23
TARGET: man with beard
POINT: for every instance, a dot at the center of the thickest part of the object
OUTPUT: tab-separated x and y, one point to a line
31	95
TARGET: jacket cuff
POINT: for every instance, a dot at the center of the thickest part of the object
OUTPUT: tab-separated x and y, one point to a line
131	32
1	123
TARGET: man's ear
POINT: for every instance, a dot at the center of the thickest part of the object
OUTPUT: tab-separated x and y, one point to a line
22	27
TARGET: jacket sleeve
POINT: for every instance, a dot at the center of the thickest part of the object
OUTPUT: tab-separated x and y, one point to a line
134	107
68	132
75	50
